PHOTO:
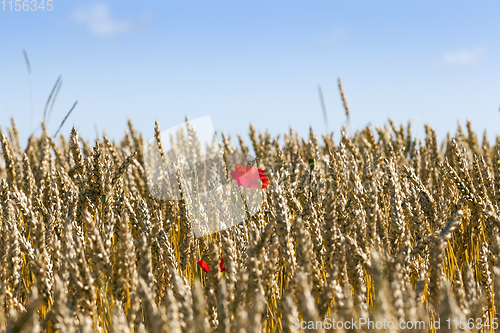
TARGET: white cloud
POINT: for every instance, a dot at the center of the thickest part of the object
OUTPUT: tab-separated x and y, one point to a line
99	21
463	57
334	36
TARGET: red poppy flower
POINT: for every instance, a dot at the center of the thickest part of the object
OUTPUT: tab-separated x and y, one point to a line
221	265
203	264
249	176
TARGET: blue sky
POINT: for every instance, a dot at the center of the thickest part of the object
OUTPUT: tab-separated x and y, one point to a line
432	62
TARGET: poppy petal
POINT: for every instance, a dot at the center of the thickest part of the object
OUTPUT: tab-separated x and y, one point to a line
237	176
263	178
203	264
221	265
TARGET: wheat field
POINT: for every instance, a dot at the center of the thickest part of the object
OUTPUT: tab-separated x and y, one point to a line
379	227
